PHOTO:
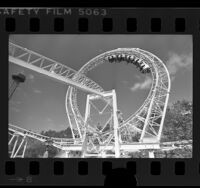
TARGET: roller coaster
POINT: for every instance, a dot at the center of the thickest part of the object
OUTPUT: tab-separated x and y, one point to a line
113	138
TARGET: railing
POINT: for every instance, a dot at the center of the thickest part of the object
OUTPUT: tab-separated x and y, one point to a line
21	131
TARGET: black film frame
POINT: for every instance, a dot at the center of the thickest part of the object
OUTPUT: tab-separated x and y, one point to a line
70	171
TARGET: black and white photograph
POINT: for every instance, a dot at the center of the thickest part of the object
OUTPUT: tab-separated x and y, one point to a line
100	96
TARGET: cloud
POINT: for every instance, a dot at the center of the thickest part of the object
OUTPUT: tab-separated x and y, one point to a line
37	91
176	62
146	84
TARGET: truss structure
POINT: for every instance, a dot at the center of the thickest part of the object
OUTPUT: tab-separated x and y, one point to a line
51	68
149	118
146	122
97	138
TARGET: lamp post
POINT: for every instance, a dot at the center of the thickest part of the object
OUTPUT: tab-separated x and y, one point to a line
17	79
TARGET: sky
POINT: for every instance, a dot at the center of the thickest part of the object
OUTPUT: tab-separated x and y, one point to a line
39	103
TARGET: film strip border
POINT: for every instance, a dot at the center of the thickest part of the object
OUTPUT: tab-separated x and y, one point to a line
92	171
102	20
85	172
177	25
59	169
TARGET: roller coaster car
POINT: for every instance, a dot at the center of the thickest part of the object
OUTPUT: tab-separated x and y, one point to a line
128	60
136	64
132	58
119	58
142	67
141	63
109	58
114	57
143	71
123	57
145	68
148	70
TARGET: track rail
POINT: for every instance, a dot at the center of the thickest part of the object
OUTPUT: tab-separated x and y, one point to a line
75	145
51	68
147	120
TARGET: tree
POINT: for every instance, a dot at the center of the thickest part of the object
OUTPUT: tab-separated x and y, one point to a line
59	134
36	148
178	122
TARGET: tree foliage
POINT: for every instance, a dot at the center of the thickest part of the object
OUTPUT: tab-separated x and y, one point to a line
177	126
59	134
36	148
178	122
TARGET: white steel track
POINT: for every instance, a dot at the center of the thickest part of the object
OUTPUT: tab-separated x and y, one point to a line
147	121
